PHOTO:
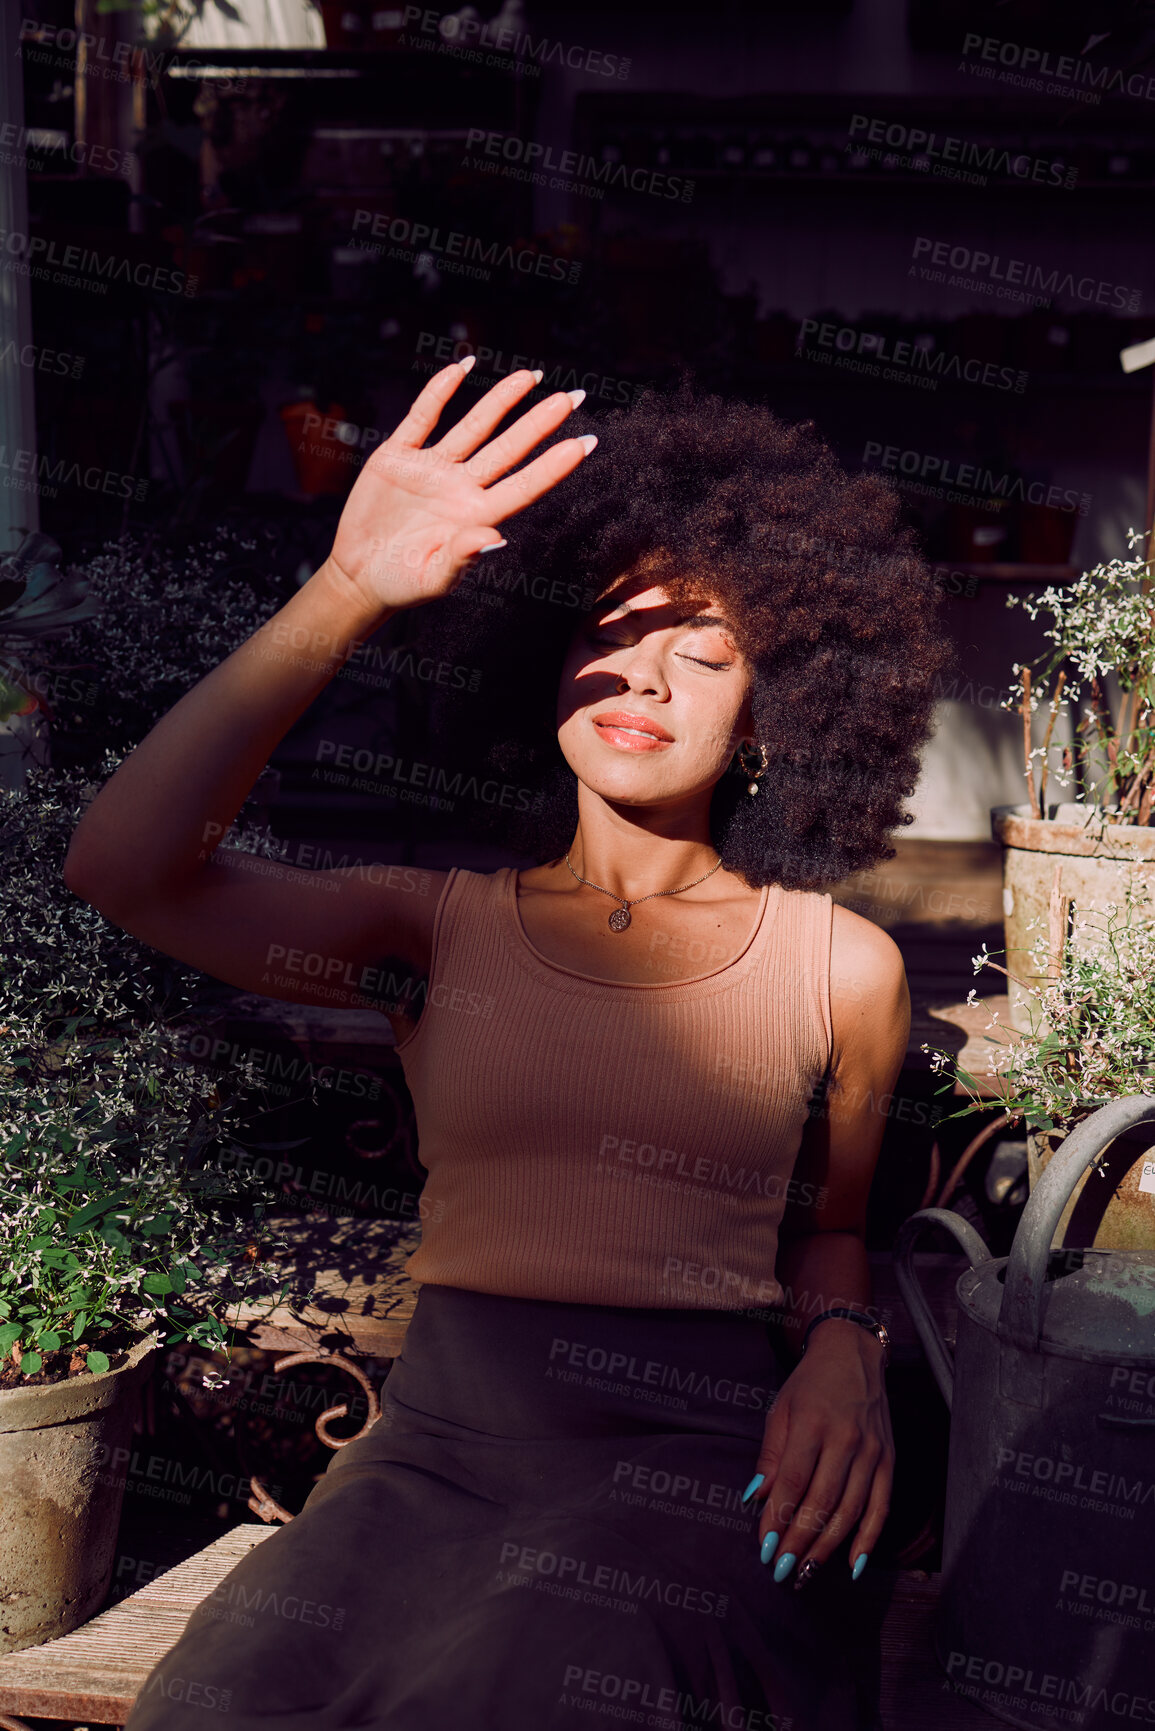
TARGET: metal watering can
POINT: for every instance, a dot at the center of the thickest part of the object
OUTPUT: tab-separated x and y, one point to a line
1047	1614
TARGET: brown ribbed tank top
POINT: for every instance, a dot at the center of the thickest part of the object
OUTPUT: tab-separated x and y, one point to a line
596	1142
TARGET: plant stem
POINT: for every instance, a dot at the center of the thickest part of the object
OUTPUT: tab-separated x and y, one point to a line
1029	772
999	969
1059	684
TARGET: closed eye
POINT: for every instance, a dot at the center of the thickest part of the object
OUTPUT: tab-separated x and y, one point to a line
701	663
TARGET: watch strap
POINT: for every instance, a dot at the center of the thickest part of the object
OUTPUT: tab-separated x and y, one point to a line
843	1313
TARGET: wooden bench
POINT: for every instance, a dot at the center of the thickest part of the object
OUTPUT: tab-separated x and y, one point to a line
94	1675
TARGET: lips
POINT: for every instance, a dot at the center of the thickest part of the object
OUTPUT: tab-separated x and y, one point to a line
623	727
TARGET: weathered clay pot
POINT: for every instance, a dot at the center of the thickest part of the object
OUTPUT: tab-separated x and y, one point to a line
1044	861
62	1488
1111	1211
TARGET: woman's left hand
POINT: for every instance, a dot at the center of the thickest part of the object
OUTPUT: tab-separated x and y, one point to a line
827	1456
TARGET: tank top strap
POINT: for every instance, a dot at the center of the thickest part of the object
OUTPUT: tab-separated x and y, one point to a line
794	957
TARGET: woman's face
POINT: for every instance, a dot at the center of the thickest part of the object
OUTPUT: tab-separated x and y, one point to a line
653	698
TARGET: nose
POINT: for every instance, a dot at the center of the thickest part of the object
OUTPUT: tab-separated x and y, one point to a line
643	675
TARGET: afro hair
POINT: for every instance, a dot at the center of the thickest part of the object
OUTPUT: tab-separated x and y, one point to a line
833	605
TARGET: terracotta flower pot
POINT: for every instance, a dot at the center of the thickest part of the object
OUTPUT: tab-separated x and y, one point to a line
1045	861
63	1485
1048	865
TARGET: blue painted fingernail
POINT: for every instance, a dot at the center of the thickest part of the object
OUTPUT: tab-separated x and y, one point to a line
859	1565
752	1487
769	1546
784	1565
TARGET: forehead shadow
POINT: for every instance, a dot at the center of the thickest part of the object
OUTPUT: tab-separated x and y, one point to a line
699	618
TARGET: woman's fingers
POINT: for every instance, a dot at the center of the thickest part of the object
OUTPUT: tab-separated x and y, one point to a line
809	1510
510	447
787	1458
485	416
518	491
877	1507
427	406
830	1528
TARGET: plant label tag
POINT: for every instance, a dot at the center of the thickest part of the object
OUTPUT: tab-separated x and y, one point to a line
1147	1177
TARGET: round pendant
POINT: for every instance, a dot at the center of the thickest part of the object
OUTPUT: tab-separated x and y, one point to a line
619	919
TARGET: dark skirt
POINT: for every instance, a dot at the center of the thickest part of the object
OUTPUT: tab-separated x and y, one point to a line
544	1530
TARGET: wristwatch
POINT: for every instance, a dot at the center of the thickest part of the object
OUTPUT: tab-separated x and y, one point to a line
870	1323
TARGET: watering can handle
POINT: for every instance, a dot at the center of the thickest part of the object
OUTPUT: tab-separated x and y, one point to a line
1021	1312
936	1349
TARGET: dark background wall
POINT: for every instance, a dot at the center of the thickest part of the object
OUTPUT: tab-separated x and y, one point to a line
927	227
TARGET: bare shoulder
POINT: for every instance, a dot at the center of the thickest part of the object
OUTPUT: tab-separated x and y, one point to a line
865	961
869	996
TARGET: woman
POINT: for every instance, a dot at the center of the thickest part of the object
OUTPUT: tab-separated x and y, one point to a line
598	1482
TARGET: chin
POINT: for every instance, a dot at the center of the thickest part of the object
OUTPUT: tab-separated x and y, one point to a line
633	783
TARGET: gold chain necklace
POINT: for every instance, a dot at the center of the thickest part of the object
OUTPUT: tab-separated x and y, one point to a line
620	918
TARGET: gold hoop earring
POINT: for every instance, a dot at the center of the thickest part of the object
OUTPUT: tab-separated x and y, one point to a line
744	753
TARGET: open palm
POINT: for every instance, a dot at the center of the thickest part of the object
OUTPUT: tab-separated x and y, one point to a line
417	514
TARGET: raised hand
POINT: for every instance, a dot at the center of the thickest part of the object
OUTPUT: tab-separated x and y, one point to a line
418	513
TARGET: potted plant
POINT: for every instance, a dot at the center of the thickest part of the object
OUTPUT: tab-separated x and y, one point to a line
1078	857
36	601
1089	1039
124	1222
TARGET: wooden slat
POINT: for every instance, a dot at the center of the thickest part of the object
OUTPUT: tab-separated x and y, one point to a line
951	887
362	1297
915	1694
97	1671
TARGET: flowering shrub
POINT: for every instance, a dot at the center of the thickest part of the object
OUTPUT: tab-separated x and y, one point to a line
119	1215
166	619
1092	1023
1102	624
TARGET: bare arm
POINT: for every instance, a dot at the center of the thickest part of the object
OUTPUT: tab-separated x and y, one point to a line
145	851
827	1451
822	1253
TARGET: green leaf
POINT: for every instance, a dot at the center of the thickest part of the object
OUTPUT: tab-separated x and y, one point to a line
79	1323
91	1211
50	1341
156	1283
9	1332
63	1259
30	1363
97	1362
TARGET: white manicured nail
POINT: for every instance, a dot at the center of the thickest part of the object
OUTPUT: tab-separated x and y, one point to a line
493	546
538	375
467	363
577	398
589	440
